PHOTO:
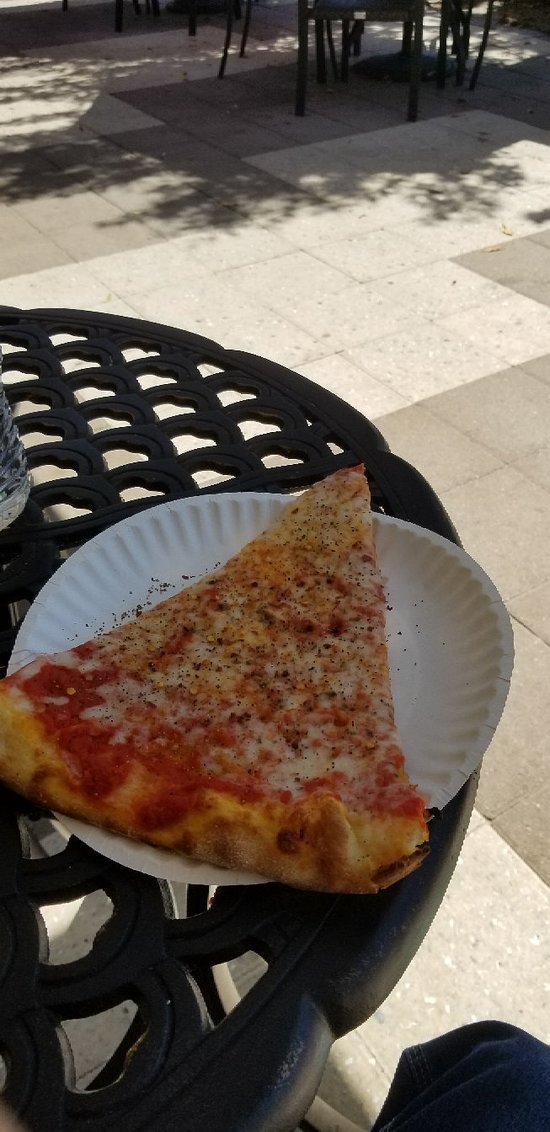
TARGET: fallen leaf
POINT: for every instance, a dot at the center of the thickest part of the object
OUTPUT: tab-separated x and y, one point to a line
507	231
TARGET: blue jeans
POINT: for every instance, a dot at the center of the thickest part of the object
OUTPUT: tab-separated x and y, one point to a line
486	1077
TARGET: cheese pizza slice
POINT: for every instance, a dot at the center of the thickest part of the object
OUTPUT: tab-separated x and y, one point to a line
246	721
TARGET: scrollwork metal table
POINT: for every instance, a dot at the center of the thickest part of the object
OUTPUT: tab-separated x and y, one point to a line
118	414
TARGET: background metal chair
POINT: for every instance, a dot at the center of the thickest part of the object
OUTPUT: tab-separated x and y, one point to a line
353	19
456	20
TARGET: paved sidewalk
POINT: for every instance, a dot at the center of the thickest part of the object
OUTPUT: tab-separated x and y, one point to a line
404	266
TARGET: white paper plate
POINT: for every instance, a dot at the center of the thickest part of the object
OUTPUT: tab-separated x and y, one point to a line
449	637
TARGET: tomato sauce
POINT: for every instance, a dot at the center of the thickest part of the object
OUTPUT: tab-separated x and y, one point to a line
99	765
172	798
101	753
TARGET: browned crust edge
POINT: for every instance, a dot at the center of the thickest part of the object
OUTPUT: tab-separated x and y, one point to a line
315	844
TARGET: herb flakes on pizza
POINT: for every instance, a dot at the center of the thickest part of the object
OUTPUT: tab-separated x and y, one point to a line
247	721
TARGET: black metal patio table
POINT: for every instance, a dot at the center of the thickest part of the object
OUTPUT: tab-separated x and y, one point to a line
175	404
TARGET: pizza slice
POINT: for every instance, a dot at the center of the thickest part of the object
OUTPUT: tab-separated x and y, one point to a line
246	721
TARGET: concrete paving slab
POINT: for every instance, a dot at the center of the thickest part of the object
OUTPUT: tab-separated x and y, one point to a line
376	255
331	112
337	374
506	413
104	117
298	281
439	449
499	130
539	367
236	245
305	222
54	287
19	257
521	265
499	511
176	148
532	609
84	240
525	827
283	280
435	289
406	182
171	263
114	305
14	228
437	140
513	329
85	155
536	466
59	210
356	315
515	765
420	364
542	237
450	237
226	319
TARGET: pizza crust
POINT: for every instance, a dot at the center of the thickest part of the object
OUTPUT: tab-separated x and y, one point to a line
316	844
313	793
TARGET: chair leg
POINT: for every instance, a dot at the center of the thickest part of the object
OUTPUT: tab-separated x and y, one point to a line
467	27
406	41
301	76
192	26
119	4
455	18
246	26
320	61
416	61
443	36
357	35
332	50
461	38
483	45
346	48
227	40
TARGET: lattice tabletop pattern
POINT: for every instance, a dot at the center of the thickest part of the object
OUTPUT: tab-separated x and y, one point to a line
117	415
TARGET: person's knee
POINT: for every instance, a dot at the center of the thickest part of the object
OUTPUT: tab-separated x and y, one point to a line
485	1077
494	1071
492	1040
